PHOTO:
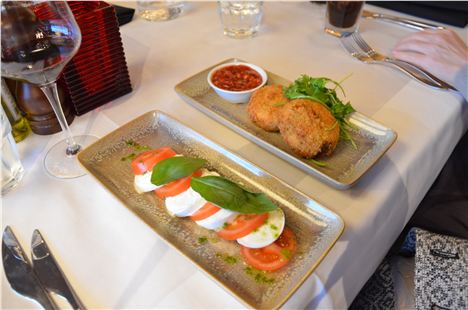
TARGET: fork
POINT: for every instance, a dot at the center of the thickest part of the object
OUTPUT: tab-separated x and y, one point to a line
405	66
351	46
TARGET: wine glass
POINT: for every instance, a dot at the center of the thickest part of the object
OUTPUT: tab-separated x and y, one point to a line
38	39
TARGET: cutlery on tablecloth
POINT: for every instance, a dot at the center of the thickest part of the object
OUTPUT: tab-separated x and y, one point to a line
374	54
358	48
49	272
406	22
19	272
36	279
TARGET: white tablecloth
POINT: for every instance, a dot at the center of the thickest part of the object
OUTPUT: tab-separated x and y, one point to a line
115	261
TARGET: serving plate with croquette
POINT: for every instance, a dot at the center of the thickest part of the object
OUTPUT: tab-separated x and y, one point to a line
304	122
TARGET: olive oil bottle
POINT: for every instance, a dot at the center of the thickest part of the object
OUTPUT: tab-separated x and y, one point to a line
19	124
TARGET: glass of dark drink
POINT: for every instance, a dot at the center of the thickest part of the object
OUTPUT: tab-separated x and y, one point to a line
38	39
342	17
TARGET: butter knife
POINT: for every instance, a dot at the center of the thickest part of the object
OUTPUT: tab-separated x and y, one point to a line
410	23
49	271
19	272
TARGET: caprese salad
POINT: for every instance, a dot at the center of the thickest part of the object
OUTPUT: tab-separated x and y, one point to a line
216	203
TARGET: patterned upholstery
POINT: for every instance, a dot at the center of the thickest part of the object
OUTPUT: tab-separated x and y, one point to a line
378	292
441	275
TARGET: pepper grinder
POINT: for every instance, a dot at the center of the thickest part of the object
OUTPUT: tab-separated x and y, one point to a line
32	101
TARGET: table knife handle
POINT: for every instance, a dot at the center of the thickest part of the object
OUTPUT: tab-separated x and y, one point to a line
414	24
75	301
20	274
406	22
49	272
46	301
417	71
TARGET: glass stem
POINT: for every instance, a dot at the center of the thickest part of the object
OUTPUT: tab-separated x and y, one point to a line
51	92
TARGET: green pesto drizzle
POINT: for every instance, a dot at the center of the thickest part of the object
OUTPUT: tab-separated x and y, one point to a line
231	260
258	275
202	240
286	253
137	149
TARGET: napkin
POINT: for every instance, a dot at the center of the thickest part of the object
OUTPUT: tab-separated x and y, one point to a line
124	15
453	13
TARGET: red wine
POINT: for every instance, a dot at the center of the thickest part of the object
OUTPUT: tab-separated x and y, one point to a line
34	50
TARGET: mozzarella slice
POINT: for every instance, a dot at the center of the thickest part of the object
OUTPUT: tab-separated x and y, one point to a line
185	204
267	233
218	219
188	202
142	183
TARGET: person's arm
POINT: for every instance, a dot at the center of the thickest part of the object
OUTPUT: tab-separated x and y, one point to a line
441	52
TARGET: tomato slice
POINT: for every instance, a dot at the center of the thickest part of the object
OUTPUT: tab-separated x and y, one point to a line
273	256
147	160
243	225
176	187
286	241
204	212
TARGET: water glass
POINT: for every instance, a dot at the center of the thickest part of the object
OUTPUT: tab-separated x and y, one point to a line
240	19
159	10
12	169
342	17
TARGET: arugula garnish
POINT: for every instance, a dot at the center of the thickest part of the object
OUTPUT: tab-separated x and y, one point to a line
318	162
228	195
307	87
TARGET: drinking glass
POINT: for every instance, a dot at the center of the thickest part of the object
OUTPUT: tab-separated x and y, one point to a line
12	169
159	10
240	19
38	39
342	17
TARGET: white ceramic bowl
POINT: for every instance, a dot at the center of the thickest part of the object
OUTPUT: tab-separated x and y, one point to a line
237	96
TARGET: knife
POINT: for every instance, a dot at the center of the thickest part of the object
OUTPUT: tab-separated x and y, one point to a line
411	23
49	271
19	272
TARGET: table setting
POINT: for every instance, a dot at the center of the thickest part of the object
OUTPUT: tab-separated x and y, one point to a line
153	88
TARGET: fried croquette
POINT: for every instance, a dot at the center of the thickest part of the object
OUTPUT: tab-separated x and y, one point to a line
309	128
264	106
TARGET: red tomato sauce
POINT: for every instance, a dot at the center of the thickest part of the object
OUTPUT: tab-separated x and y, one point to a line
236	78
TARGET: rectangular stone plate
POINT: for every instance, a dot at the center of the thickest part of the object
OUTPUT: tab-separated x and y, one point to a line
316	227
343	168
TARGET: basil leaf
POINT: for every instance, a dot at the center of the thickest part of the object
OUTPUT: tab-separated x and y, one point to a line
175	168
219	191
228	195
259	202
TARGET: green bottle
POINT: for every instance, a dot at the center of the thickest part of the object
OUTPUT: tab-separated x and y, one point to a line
19	124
